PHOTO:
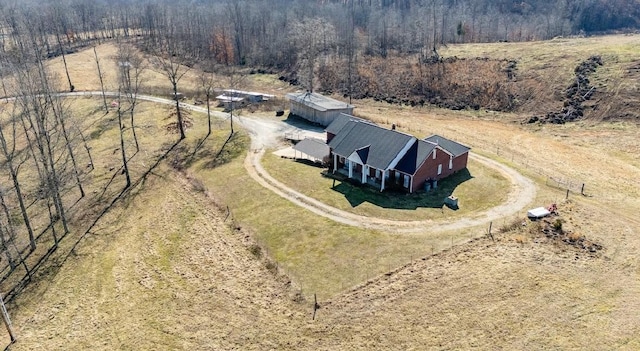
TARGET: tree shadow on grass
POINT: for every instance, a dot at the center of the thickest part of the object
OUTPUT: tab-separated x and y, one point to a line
49	265
233	147
357	193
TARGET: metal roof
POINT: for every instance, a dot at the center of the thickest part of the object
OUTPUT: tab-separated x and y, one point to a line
450	146
226	98
318	102
313	147
384	144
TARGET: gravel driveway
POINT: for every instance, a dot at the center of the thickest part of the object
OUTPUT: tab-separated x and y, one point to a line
269	133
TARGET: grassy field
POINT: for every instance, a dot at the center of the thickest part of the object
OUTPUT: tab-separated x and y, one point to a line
84	75
170	269
547	68
478	189
324	257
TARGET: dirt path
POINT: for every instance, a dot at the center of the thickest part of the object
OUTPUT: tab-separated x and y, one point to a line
266	133
522	192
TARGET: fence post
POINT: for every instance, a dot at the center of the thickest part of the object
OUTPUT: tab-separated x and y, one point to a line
582	190
567	196
315	306
491	235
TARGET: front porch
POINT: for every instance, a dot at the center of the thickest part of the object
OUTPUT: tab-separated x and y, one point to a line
356	177
364	174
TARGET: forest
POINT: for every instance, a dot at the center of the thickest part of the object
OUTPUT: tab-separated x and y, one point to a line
386	49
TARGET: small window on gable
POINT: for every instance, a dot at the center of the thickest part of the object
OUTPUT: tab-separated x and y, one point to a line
440	169
451	162
434	154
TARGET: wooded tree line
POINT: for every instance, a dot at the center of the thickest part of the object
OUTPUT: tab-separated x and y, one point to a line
44	156
299	37
267	33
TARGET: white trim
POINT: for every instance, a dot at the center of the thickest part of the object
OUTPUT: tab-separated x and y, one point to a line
401	154
382	185
411	185
423	162
365	171
354	157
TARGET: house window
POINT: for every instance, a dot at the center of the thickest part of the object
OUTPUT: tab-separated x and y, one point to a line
434	154
440	169
406	181
377	174
450	162
397	177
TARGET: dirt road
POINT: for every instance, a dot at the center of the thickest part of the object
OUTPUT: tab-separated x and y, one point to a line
267	133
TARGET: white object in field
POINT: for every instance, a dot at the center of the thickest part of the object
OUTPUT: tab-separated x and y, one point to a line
538	212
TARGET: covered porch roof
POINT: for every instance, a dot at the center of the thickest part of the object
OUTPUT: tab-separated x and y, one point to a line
313	147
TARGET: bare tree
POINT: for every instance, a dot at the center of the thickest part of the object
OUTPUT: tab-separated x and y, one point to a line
123	153
64	61
101	77
131	67
206	83
235	79
60	115
311	37
13	165
167	62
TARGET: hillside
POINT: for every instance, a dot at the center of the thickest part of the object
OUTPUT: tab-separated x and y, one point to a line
199	256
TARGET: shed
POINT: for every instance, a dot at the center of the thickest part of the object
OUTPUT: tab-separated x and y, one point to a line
240	97
317	108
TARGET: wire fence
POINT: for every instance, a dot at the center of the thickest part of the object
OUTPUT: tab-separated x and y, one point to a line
554	180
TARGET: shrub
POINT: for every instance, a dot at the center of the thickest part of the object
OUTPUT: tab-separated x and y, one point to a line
511	226
557	225
256	250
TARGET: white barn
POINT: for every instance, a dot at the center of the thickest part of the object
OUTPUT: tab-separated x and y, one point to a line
317	108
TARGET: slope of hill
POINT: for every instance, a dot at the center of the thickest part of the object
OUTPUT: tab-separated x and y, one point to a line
167	269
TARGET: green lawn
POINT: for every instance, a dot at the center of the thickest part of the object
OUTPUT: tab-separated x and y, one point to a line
321	256
477	189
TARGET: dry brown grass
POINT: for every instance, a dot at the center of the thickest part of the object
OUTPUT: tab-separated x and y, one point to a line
84	75
166	273
546	68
